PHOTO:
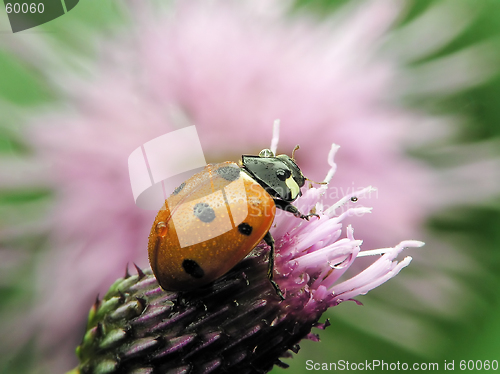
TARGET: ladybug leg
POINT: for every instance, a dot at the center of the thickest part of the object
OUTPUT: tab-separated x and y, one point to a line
268	238
287	207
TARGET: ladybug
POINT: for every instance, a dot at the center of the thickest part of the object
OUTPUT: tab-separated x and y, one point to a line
216	217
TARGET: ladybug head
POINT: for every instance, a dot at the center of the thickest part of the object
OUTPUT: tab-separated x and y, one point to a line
279	175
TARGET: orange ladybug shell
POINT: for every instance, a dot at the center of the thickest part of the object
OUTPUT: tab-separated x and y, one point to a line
208	225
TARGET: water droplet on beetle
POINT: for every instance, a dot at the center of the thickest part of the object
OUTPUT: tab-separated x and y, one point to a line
161	229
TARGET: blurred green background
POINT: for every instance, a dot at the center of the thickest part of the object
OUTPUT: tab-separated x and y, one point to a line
471	230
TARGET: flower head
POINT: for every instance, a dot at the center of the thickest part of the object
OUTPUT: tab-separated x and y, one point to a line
238	323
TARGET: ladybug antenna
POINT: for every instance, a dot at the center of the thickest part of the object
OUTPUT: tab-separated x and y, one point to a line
293	152
310	180
276	136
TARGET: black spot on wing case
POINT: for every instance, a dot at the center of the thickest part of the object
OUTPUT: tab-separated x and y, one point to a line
192	268
229	173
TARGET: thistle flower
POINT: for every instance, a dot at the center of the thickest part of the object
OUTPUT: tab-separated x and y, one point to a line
238	323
